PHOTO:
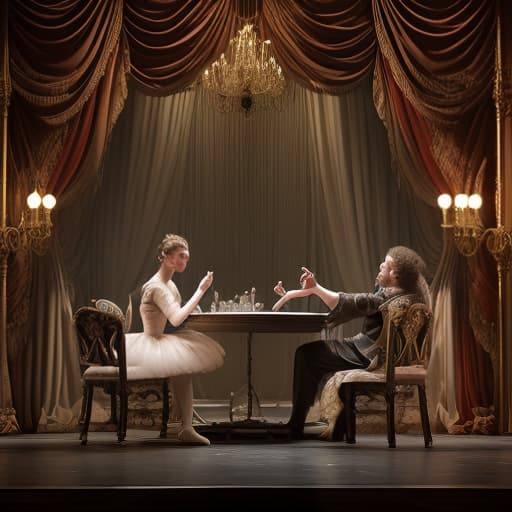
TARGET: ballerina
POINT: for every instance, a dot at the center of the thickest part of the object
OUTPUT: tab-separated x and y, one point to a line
184	352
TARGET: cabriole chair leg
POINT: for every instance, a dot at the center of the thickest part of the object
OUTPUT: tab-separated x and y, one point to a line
425	422
88	411
390	417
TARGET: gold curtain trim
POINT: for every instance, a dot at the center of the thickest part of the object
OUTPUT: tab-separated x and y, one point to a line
122	85
48	153
59	93
453	84
454	162
382	109
396	70
483	331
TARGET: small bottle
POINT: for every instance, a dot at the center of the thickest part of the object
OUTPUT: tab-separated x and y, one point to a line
247	302
253	298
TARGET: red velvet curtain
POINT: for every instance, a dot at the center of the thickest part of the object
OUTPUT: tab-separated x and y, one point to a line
433	63
68	65
437	68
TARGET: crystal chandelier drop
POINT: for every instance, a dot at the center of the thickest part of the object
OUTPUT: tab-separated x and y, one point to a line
246	77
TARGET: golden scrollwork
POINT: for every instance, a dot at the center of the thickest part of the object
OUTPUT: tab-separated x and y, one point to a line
467	240
9	240
499	244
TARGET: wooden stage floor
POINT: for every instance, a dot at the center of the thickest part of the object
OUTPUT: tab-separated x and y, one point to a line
39	471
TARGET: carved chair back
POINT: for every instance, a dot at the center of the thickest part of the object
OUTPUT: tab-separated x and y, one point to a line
407	327
101	338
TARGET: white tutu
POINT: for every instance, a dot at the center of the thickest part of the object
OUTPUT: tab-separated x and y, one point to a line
168	355
155	354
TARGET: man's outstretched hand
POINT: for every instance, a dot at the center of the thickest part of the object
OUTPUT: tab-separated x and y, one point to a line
307	279
307	282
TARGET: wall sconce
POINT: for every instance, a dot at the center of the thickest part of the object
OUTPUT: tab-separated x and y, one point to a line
34	229
464	219
36	223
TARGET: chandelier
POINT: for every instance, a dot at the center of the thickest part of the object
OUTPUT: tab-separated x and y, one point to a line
246	77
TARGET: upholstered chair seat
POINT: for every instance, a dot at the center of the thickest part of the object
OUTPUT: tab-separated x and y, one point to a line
403	345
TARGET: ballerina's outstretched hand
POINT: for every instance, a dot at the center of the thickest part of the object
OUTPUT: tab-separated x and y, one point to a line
206	281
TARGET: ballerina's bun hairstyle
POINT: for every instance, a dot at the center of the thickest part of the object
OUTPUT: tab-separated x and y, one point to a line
169	244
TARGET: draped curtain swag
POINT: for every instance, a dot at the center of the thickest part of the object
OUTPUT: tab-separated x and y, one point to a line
432	65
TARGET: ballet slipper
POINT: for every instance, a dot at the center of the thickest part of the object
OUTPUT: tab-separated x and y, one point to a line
189	435
326	434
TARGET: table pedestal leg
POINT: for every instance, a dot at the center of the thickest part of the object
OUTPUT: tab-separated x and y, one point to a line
249	376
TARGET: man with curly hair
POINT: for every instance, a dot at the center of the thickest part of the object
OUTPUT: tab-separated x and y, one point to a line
400	275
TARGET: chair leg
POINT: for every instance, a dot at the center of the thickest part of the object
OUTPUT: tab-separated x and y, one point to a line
84	403
340	428
349	404
425	423
88	395
123	412
390	417
113	404
165	408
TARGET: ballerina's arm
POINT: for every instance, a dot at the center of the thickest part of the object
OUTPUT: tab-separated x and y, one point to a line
171	309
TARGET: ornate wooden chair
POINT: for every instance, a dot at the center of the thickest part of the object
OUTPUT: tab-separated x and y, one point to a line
108	306
404	332
100	333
